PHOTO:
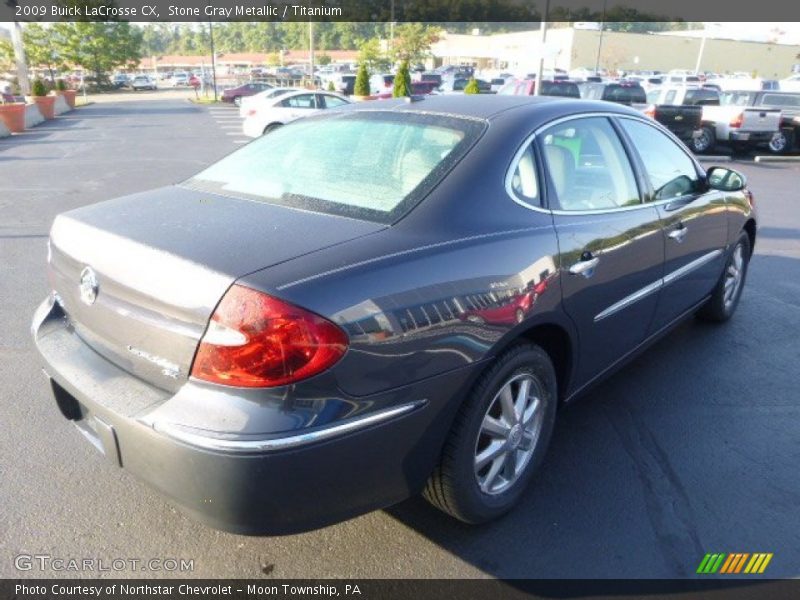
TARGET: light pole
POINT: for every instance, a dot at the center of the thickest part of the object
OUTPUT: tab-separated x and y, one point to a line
600	43
19	58
537	85
213	58
311	51
702	50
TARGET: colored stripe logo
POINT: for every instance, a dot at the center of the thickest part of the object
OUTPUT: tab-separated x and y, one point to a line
732	564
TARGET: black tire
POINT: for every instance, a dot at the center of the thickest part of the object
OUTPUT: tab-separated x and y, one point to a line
453	487
706	141
272	127
782	142
719	308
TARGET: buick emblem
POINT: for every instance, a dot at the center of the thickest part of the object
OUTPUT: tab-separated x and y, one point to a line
88	286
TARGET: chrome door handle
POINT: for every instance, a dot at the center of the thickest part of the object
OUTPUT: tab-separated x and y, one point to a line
679	233
585	267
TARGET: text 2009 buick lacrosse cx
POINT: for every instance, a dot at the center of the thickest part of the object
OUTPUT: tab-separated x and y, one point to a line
384	300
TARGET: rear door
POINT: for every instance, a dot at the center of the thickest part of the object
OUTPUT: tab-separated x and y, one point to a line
694	219
611	249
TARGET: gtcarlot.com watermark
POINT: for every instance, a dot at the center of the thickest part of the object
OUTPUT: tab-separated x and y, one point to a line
60	564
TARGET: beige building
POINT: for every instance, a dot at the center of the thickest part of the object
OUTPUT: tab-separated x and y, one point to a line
569	48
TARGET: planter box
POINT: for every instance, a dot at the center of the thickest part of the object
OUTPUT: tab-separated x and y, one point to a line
362	98
46	106
13	115
67	95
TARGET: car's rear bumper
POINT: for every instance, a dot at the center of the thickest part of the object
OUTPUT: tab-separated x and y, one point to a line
753	137
273	484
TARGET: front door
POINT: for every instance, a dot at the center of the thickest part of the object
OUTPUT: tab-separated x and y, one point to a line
611	248
694	220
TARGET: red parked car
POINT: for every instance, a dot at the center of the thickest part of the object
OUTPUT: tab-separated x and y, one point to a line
236	94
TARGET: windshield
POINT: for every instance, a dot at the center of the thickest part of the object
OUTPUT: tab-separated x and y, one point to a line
367	165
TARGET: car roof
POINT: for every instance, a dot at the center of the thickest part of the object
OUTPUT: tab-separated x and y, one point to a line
490	106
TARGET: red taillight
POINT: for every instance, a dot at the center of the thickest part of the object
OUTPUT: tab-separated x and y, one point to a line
650	111
255	340
737	121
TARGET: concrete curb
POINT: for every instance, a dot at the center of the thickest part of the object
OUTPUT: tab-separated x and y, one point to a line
721	158
768	158
33	116
61	106
4	132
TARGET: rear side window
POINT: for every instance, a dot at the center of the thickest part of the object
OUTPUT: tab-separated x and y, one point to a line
670	170
301	101
523	181
588	166
332	101
372	165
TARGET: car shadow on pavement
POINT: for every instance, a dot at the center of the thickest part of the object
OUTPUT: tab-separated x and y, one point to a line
645	472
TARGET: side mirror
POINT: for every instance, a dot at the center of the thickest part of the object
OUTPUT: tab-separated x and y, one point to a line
725	180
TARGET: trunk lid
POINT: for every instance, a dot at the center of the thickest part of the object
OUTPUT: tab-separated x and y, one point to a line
161	261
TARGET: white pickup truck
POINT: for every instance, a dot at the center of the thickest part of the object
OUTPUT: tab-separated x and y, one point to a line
741	126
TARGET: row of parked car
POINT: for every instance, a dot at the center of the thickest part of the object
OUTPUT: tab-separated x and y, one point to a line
700	117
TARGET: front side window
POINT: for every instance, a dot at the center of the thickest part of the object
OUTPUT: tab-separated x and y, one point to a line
672	173
588	166
370	165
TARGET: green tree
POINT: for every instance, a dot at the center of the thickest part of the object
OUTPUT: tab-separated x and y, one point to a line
6	55
361	87
402	82
331	86
472	87
99	47
324	59
412	42
41	48
369	53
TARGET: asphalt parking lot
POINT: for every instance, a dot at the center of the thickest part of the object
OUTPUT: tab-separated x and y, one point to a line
692	448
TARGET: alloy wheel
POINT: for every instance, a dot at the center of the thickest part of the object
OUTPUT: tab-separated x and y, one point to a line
733	276
509	433
778	142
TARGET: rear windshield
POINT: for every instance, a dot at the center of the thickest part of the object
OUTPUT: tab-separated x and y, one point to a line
625	94
736	98
366	165
560	88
